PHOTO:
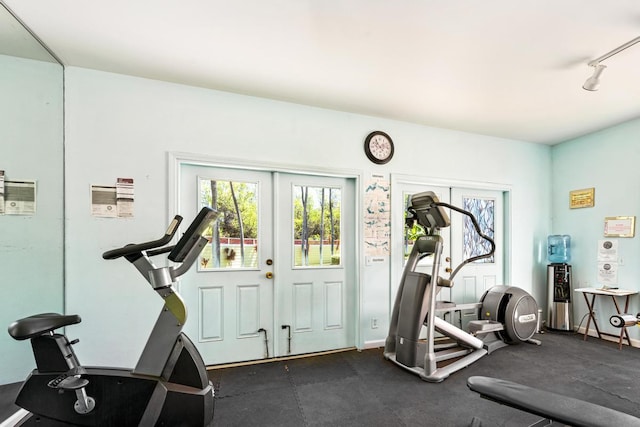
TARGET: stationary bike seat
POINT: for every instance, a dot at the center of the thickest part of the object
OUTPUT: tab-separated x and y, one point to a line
39	324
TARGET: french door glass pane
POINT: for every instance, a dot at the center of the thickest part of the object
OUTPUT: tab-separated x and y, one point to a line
474	245
316	226
411	234
234	236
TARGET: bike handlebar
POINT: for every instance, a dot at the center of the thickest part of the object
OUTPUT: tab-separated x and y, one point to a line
132	248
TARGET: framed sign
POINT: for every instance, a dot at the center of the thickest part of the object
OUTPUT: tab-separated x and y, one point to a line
582	198
620	226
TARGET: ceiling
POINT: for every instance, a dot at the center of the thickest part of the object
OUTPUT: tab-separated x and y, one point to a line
15	40
510	69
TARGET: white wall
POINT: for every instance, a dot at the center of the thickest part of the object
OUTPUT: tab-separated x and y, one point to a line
120	126
607	161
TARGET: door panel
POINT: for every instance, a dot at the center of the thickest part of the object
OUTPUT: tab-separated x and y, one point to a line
317	295
210	311
483	274
230	297
477	277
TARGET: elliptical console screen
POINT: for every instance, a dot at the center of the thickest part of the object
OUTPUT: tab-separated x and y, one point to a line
429	214
190	238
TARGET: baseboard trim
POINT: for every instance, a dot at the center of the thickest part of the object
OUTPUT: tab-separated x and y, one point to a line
373	344
607	336
277	359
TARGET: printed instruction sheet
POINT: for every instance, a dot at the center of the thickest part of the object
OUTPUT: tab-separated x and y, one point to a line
124	197
104	201
377	217
19	197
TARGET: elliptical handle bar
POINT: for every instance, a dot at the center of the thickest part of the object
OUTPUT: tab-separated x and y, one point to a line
480	233
132	249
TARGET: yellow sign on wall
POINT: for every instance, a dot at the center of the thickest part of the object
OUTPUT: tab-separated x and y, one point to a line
584	198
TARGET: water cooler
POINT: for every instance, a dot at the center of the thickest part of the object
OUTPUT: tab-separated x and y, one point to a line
559	283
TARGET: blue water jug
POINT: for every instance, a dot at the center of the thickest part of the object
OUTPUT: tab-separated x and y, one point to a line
559	249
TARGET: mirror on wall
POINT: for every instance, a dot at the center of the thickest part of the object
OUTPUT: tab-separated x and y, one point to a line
32	188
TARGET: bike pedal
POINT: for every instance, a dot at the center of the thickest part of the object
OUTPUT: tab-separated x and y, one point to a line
54	383
66	382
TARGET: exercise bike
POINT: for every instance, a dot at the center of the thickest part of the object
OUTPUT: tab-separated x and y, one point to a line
507	314
169	385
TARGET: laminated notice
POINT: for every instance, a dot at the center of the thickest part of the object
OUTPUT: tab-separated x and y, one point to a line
103	201
124	197
19	197
1	192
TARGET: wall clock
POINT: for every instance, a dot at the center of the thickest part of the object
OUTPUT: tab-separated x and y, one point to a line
378	147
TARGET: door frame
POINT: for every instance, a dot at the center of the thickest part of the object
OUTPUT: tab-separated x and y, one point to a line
397	217
175	160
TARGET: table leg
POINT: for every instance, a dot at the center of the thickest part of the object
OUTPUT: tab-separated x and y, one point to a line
591	316
626	310
623	331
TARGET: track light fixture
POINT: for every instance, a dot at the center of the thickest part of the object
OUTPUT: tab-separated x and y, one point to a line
593	82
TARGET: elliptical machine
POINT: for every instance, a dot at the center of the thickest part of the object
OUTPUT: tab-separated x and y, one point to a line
169	385
507	315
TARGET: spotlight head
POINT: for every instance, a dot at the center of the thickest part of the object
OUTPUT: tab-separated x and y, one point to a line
593	82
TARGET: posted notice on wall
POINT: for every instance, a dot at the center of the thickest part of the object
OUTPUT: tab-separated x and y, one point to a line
104	201
113	201
1	192
608	273
124	197
19	197
377	218
608	250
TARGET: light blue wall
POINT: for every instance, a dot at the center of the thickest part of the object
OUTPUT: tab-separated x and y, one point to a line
30	245
120	126
608	161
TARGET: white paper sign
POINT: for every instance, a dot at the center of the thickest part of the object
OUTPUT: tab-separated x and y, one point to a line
19	197
608	273
124	197
103	201
1	192
608	250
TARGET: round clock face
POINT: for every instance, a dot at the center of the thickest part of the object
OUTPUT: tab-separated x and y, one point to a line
378	147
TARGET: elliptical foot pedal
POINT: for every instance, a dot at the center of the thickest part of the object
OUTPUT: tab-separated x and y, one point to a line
67	382
484	326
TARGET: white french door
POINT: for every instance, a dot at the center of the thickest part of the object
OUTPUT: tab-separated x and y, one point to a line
316	302
229	296
264	287
476	277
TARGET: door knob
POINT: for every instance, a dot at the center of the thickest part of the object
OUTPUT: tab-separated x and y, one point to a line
269	275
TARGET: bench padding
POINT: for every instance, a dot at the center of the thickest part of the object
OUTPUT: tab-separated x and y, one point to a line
550	405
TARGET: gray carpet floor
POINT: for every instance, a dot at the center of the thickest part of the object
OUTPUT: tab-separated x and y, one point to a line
360	388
